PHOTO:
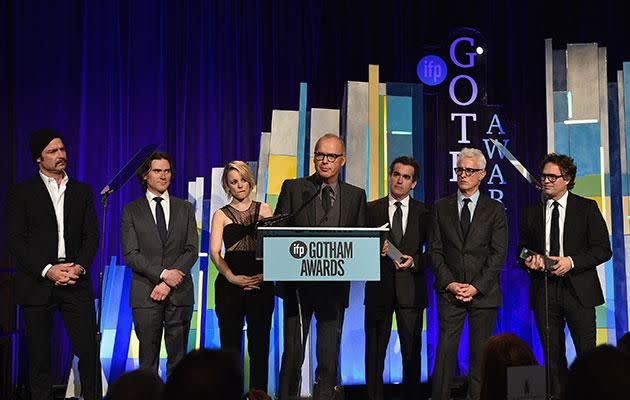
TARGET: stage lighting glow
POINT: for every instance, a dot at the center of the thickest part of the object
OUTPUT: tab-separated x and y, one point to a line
479	50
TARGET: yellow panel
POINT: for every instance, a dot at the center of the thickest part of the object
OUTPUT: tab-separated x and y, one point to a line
602	336
280	168
373	124
199	313
133	345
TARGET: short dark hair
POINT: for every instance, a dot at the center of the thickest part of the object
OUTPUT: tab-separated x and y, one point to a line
406	160
205	374
146	166
565	163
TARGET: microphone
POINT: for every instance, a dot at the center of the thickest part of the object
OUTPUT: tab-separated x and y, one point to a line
277	219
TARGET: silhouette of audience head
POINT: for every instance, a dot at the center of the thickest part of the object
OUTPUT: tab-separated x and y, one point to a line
623	344
602	373
205	374
502	351
134	385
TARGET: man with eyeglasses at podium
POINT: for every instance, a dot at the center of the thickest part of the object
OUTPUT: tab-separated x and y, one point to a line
334	204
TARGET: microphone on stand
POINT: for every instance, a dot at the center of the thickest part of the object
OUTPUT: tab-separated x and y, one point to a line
276	220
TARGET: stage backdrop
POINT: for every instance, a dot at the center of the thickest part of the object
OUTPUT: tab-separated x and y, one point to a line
202	78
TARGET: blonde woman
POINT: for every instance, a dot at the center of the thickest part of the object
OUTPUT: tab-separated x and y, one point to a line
240	292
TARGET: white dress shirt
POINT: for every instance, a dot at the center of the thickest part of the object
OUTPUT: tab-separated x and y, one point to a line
57	196
471	206
562	212
165	205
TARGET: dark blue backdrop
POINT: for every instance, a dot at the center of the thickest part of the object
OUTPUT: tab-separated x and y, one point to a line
201	77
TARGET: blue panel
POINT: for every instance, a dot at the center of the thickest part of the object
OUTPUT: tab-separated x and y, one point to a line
584	143
616	214
302	150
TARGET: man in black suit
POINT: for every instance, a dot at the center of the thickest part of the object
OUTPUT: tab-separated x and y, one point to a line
52	232
467	247
158	233
402	288
332	203
572	231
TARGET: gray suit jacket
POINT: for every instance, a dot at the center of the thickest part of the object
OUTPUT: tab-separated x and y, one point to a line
144	254
477	258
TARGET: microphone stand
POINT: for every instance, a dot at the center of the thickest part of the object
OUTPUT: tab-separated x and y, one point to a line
99	299
548	394
281	218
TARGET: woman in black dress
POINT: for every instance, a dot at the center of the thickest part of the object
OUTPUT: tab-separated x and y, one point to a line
240	292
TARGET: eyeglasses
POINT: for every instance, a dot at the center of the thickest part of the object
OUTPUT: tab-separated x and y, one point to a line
330	157
552	178
466	171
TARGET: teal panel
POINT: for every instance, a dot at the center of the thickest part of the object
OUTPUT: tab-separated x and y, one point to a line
560	107
561	138
399	114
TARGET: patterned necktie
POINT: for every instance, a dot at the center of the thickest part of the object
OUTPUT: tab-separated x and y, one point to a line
160	219
554	235
397	231
464	218
327	198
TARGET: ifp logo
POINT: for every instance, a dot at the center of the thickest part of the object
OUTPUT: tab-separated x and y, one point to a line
297	249
431	70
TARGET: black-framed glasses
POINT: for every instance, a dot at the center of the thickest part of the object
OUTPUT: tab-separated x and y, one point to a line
550	177
330	157
459	171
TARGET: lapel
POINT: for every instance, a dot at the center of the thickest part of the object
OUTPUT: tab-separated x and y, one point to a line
174	211
343	213
453	216
569	219
42	192
147	217
412	215
68	203
307	192
480	215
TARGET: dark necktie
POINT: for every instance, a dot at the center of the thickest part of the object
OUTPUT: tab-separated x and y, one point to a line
464	218
327	198
160	220
397	231
554	235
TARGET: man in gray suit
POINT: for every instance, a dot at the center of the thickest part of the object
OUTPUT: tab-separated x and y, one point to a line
467	246
160	244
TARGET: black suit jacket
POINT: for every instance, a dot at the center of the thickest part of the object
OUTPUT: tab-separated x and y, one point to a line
585	241
144	253
402	288
32	237
294	193
476	259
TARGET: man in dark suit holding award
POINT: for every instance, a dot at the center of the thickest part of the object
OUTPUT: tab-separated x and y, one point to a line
335	204
572	232
159	240
402	288
52	232
467	247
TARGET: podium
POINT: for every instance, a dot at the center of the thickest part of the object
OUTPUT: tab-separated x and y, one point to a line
316	254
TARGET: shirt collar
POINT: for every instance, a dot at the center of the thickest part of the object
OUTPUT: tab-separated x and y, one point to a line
562	200
334	186
151	196
473	198
404	202
48	180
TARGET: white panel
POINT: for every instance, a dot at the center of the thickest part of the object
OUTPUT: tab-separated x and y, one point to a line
263	166
284	131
